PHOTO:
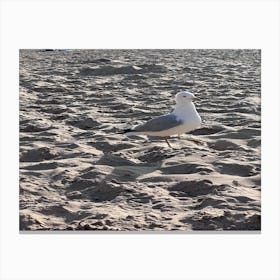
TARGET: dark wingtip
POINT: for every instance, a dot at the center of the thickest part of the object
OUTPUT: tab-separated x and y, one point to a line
128	130
125	131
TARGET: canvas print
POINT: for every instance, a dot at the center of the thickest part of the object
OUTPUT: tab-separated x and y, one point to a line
145	140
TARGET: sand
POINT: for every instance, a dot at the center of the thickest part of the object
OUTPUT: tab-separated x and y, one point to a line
79	172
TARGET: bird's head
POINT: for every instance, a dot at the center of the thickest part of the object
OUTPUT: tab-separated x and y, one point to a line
184	97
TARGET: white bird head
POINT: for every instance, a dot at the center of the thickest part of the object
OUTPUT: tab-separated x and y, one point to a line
184	97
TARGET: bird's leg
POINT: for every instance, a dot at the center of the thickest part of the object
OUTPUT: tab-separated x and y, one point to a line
165	138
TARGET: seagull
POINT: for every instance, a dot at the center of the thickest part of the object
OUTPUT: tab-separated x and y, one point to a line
184	118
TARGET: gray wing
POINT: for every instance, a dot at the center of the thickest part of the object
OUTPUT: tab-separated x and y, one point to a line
159	123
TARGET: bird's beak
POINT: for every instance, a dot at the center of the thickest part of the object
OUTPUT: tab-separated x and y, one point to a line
196	98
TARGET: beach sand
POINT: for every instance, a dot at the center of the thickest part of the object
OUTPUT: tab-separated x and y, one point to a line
78	172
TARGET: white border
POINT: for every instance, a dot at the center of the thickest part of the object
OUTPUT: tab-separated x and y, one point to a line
135	24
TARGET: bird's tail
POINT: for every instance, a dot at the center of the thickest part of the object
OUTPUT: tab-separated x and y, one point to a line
130	132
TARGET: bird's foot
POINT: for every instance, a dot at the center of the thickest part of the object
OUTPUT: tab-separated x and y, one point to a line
196	141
